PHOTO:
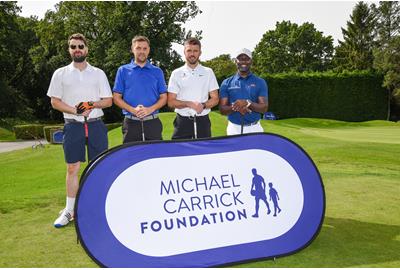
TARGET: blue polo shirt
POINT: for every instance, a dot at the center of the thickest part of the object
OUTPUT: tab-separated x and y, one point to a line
140	85
237	87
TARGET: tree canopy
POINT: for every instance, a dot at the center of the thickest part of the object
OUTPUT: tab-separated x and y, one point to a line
290	47
355	52
109	28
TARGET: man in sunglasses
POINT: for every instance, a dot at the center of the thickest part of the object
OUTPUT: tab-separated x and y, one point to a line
243	97
80	91
140	91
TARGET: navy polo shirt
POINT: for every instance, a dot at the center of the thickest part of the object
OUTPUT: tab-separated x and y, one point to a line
140	85
237	87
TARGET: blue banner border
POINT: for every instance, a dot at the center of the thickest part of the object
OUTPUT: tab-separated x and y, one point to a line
92	165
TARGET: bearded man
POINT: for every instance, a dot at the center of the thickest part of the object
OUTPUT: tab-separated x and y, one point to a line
80	91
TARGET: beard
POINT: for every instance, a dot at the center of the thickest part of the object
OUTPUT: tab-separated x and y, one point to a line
79	59
192	60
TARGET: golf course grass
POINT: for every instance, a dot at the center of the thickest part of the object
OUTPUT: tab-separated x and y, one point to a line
359	164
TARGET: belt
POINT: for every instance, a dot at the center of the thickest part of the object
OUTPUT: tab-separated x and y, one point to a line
67	120
191	117
251	124
149	117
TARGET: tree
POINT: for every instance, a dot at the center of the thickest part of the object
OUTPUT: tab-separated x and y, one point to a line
387	52
223	66
355	52
293	48
110	27
14	78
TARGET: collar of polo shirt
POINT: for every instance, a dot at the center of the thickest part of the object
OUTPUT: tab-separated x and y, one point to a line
89	67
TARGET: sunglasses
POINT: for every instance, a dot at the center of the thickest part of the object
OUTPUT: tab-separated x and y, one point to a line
81	47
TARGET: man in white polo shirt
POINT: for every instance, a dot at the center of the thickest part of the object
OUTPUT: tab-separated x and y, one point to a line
192	92
80	91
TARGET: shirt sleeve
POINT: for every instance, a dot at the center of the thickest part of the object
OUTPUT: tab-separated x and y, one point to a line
162	85
119	85
223	91
105	90
173	86
55	87
213	84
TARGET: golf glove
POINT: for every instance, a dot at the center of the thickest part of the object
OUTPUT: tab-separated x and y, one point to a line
84	106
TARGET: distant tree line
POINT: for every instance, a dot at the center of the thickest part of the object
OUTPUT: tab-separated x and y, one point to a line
371	42
31	49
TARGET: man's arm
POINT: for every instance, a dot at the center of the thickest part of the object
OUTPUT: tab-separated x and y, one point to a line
144	111
224	107
117	97
179	104
103	103
61	106
261	106
213	100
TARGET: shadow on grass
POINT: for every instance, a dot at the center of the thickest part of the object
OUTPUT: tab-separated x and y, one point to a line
344	243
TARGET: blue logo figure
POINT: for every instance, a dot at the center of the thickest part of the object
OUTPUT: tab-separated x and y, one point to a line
273	195
258	191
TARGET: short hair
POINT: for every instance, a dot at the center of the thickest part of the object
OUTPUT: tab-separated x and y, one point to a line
192	41
140	38
78	36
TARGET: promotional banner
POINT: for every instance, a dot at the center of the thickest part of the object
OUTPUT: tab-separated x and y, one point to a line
199	203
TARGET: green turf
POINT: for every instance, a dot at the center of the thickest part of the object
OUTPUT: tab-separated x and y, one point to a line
359	164
6	135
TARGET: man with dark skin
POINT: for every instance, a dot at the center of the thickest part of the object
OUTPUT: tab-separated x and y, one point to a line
243	97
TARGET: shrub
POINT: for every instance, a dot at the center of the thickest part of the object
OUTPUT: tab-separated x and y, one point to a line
46	131
29	132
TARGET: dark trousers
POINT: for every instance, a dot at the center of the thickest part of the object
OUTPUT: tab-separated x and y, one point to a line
132	130
184	127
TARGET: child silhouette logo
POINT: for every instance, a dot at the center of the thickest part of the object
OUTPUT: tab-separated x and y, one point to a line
258	191
273	196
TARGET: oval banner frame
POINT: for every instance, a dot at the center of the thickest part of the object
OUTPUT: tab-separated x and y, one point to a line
106	213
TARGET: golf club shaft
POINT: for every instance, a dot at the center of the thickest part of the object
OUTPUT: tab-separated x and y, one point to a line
142	124
86	137
195	126
241	123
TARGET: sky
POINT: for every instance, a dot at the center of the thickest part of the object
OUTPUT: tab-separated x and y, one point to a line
231	25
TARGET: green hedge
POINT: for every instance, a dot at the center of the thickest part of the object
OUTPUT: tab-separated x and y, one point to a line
46	130
29	132
351	96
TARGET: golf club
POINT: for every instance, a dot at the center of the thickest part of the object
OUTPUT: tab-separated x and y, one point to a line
87	137
141	123
241	123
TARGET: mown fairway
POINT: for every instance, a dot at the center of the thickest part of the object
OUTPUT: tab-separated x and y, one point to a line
358	162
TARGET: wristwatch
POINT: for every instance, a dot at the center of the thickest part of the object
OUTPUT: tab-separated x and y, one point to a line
248	103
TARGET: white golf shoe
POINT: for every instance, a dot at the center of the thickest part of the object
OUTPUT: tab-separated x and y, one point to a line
64	218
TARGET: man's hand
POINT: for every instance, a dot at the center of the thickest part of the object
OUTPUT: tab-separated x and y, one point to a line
142	111
239	105
197	106
84	106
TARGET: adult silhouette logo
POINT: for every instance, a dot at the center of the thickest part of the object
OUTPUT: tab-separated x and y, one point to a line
199	203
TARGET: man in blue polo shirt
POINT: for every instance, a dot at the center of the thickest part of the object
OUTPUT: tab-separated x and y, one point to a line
243	97
140	91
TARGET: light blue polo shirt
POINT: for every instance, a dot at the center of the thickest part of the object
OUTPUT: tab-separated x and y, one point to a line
237	87
140	85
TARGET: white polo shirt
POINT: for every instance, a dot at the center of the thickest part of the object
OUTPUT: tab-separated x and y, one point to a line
73	86
192	85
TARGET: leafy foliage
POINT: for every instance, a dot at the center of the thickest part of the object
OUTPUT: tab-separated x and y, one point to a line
223	66
291	47
355	52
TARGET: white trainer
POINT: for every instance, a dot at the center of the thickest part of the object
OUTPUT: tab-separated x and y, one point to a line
64	218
